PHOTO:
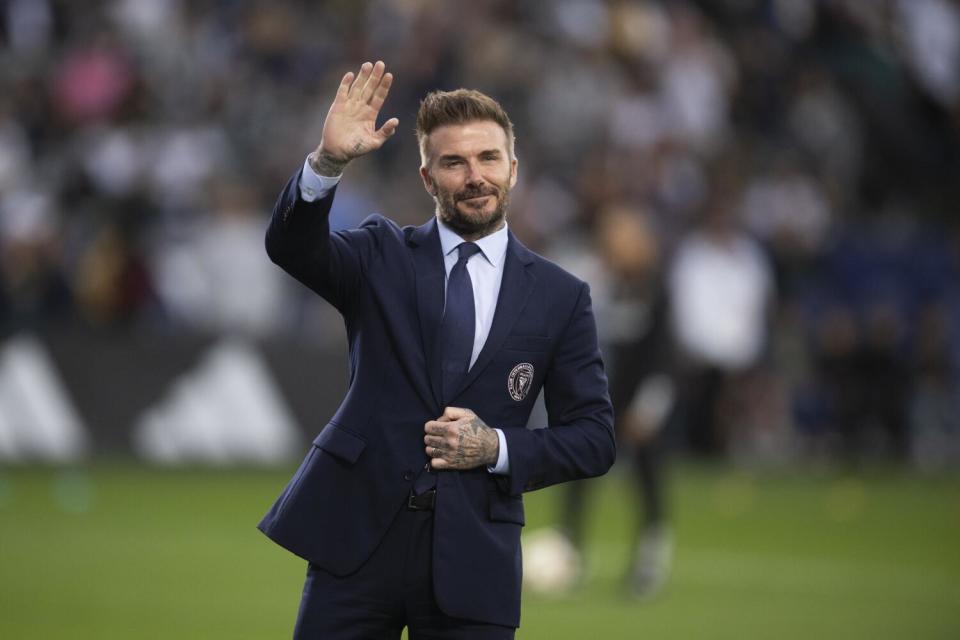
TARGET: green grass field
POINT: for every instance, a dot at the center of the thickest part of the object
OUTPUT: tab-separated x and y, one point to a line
119	551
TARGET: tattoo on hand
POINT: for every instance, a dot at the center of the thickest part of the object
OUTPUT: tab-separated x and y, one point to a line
464	443
476	443
459	455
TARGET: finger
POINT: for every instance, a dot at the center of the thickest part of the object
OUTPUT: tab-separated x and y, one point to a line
435	428
440	463
389	128
434	452
344	89
356	89
372	82
381	91
434	441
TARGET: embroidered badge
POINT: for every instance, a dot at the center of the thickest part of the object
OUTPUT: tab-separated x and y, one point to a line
520	380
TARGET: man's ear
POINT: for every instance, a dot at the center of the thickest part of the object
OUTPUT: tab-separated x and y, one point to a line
427	181
513	173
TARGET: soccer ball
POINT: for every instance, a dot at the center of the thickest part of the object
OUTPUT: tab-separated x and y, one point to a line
551	564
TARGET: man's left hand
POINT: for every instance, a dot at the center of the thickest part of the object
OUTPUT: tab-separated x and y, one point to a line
459	439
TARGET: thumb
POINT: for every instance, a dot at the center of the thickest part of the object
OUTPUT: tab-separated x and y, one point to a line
389	128
452	414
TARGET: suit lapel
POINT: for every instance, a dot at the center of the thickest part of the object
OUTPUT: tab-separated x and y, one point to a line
515	287
428	262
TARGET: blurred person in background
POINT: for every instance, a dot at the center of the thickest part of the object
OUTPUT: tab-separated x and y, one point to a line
865	380
416	524
34	284
637	342
935	404
879	284
214	278
113	284
721	288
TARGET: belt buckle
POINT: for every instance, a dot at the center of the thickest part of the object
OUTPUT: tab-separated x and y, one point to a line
428	499
410	505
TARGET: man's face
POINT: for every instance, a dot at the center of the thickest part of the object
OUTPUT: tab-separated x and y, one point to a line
469	172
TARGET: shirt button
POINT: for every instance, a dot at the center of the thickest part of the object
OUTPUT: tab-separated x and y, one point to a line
408	475
310	192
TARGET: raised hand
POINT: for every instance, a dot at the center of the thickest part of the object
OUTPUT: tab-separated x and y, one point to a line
459	439
350	129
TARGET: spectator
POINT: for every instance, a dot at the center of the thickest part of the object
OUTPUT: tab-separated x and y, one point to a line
214	278
720	287
638	351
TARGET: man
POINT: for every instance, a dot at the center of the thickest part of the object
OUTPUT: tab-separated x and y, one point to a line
637	346
409	519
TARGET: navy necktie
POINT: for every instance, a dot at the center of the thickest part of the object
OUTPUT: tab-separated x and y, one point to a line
455	340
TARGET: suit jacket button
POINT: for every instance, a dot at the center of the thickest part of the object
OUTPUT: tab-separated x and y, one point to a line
408	475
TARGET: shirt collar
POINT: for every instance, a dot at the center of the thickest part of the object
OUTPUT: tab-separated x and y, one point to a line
493	246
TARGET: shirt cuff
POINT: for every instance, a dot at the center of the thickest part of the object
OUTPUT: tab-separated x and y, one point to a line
503	460
313	186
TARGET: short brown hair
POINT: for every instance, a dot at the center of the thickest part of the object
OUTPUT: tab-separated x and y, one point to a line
460	106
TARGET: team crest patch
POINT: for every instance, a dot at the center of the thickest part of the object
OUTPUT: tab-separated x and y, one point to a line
520	381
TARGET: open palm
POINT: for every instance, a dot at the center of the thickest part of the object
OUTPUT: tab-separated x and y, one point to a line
350	129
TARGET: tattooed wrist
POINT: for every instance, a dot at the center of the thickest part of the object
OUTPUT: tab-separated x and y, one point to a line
326	165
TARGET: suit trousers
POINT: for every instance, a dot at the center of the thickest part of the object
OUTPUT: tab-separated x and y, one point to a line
392	590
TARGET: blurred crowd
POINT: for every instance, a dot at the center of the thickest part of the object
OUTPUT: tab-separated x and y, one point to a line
778	176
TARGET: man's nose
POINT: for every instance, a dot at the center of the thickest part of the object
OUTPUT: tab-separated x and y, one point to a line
474	177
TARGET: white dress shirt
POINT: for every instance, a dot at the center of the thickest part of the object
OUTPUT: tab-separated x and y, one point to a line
486	272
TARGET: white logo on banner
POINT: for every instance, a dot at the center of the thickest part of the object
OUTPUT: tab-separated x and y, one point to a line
226	410
37	418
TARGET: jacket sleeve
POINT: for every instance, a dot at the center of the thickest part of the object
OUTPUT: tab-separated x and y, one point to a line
579	443
299	240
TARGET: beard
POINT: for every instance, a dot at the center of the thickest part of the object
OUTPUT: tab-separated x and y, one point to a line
478	224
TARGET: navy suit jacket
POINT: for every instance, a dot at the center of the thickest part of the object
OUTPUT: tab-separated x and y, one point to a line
388	283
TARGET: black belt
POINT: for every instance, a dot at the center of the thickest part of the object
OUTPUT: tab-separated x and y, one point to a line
423	502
